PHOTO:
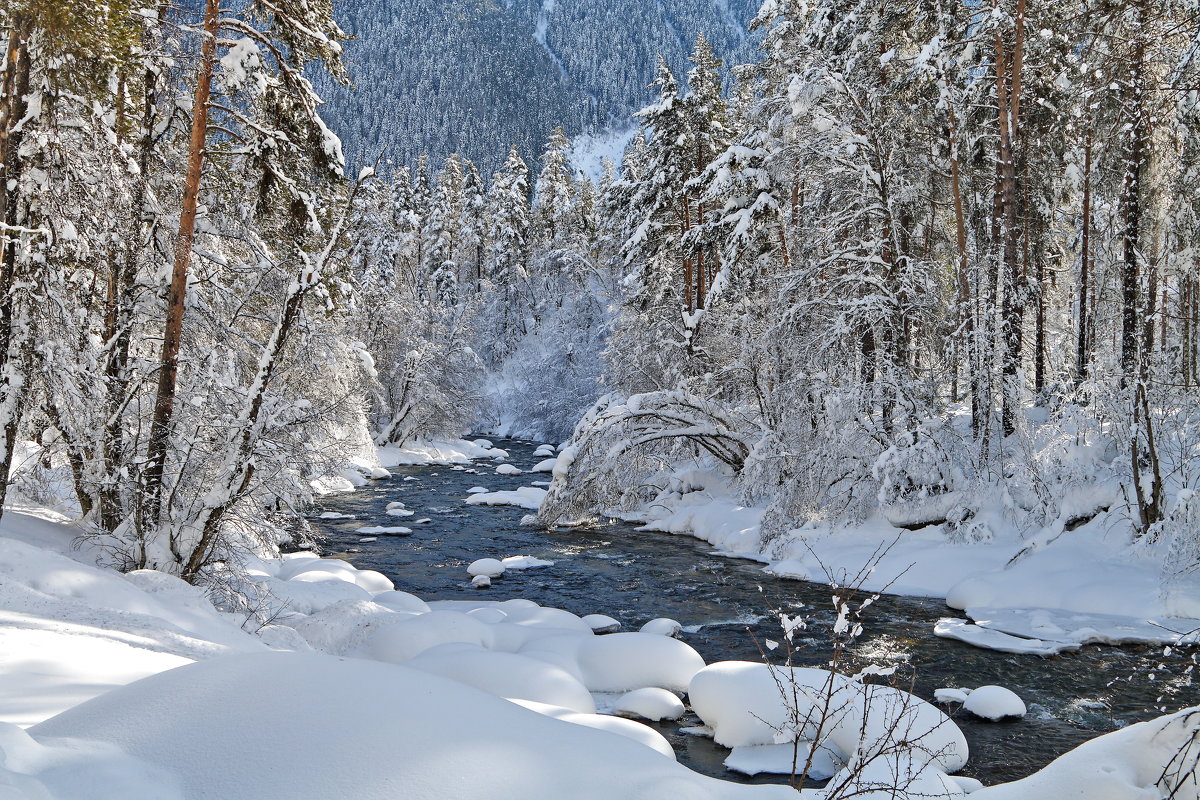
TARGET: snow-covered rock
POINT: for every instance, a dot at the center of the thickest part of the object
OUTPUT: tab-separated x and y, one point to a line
481	582
663	626
544	466
507	469
488	567
995	703
524	562
650	703
529	497
602	623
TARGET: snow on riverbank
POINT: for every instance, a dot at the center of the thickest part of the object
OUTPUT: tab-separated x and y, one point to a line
135	686
1076	587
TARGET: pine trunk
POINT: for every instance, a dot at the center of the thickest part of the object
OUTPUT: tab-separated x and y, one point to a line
164	402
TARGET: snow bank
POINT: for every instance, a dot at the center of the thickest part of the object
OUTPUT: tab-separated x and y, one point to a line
1089	585
385	732
1123	765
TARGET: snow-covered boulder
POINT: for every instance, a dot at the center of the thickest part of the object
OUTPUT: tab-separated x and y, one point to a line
622	662
995	703
663	626
488	567
546	465
602	623
507	469
651	703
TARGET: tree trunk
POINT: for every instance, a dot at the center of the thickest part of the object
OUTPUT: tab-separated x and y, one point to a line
13	369
1082	336
164	402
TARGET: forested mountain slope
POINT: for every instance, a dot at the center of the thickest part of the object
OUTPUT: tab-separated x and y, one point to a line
474	76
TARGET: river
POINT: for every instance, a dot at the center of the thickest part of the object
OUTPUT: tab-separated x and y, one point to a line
636	576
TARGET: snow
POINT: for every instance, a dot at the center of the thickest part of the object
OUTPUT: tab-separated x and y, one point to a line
589	151
524	562
626	661
1123	765
995	703
651	703
1075	587
488	567
781	759
662	626
439	452
99	666
507	469
384	530
753	705
481	582
546	465
367	715
602	623
529	497
544	450
964	631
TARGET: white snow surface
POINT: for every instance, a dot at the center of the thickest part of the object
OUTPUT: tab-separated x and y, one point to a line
650	703
994	703
1086	585
135	687
529	497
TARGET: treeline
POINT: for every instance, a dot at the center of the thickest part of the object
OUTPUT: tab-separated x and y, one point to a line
926	259
173	285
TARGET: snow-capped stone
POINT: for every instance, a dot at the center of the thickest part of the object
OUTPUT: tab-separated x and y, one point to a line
525	562
481	582
507	469
602	623
544	450
951	695
650	703
489	567
663	626
394	504
546	465
995	703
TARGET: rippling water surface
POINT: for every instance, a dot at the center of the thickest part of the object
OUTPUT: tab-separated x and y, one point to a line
635	576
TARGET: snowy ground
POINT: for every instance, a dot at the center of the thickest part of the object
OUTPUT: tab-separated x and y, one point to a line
135	686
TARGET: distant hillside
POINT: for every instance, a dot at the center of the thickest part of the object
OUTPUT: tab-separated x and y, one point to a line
473	76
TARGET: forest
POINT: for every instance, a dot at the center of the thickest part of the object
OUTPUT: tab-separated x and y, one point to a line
921	267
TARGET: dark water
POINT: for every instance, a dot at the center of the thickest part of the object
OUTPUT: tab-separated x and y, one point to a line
635	576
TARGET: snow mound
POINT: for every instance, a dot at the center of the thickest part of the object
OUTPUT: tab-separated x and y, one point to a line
623	662
525	562
545	466
1122	765
602	623
507	469
651	703
386	732
995	703
529	497
487	567
507	675
481	582
662	626
385	530
543	451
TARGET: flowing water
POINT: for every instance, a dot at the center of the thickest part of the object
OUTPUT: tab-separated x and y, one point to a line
636	576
